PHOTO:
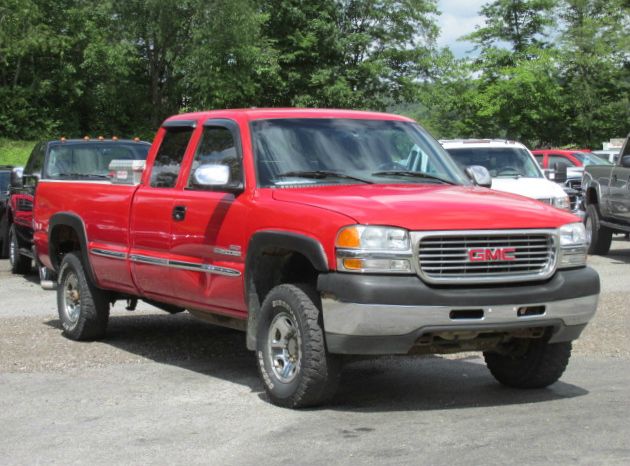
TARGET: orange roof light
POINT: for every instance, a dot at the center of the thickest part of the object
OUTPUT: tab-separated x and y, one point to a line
86	138
114	138
136	139
63	139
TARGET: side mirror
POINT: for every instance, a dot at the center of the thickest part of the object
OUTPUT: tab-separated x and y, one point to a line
16	177
625	161
30	181
211	176
479	175
561	172
550	174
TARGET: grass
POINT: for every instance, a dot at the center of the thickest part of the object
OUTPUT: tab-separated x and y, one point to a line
15	152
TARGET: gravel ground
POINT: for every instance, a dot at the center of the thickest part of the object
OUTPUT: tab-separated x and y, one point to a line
169	389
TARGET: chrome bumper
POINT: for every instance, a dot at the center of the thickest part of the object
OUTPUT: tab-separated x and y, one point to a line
407	323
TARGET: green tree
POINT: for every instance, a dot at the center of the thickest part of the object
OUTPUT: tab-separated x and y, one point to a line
350	53
234	66
595	64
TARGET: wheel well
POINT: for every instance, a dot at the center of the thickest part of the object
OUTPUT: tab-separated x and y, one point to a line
273	266
591	196
63	239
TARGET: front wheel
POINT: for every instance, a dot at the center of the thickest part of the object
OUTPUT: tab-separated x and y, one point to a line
83	308
529	363
599	235
19	264
294	365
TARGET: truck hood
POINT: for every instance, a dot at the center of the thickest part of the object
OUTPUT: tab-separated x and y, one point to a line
428	207
536	188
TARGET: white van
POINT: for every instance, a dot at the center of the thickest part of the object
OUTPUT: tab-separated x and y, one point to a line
512	166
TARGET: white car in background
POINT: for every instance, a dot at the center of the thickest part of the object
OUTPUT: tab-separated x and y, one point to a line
512	166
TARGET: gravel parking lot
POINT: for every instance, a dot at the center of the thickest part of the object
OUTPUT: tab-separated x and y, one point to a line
165	389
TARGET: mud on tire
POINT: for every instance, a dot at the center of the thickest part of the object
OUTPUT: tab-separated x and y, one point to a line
293	362
531	363
83	308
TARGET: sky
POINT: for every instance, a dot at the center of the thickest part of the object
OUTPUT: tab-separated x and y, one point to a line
459	17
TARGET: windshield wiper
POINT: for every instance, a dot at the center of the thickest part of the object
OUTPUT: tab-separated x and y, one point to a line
412	174
320	174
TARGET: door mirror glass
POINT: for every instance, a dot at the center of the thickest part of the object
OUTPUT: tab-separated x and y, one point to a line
625	161
211	175
30	181
479	175
550	174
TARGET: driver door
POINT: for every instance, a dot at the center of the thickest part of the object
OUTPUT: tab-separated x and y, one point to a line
208	239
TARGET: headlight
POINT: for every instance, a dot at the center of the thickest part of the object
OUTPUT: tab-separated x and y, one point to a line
373	249
573	245
562	202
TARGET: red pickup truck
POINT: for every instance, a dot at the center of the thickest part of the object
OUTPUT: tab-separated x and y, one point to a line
322	233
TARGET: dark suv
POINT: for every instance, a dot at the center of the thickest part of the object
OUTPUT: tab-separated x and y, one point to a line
61	160
5	181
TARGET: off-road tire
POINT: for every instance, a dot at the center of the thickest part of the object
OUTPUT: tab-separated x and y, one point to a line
93	314
601	236
19	264
538	364
317	377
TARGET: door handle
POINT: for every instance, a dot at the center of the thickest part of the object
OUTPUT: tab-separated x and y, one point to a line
179	213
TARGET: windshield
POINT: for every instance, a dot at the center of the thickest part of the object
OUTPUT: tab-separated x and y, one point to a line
499	161
590	159
313	151
90	159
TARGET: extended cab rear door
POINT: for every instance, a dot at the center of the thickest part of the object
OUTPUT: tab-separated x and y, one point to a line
152	212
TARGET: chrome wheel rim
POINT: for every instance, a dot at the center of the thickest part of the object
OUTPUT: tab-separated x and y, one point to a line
12	248
589	229
71	298
284	347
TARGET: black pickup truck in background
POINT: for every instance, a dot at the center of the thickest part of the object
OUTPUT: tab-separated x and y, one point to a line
606	191
5	180
63	159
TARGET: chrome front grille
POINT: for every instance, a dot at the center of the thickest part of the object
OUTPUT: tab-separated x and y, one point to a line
546	200
486	256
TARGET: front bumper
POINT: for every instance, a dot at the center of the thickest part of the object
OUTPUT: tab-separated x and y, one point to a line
369	314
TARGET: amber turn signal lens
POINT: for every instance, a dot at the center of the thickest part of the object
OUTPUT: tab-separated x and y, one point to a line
349	238
353	264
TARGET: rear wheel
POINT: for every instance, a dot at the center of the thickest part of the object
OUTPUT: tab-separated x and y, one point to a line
83	308
296	369
600	235
4	237
19	264
529	363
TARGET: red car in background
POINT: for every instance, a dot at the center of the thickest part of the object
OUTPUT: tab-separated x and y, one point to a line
548	158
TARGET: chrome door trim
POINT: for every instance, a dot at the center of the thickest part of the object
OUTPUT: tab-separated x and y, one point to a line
109	253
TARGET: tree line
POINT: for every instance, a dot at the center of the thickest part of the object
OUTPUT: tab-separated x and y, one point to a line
547	72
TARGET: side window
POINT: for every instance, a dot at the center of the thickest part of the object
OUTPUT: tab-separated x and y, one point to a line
217	147
539	158
168	160
36	160
558	159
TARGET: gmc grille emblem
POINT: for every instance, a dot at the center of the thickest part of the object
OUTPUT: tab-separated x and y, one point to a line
491	254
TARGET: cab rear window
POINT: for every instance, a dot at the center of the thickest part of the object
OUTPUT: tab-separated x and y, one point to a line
89	160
